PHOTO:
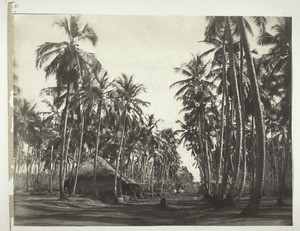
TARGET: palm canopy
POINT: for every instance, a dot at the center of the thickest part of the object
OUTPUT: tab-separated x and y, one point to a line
127	92
97	93
196	82
279	57
65	59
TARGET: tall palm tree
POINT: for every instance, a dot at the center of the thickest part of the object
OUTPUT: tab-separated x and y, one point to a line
195	93
170	156
97	95
69	64
253	205
126	92
233	191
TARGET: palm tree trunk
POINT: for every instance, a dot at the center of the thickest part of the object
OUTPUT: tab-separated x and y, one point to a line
201	174
39	158
67	166
233	191
219	168
27	169
244	173
121	172
144	165
226	128
78	157
118	155
253	156
275	167
162	176
132	167
62	195
50	170
96	153
252	207
209	178
152	175
285	161
17	160
129	165
201	149
209	175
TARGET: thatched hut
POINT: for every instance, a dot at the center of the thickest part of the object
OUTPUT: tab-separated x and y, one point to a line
105	180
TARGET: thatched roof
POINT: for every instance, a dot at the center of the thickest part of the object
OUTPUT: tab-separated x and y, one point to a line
103	168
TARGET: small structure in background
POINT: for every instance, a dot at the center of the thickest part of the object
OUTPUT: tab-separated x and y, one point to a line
105	181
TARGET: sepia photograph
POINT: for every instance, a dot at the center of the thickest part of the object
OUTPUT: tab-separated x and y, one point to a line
144	120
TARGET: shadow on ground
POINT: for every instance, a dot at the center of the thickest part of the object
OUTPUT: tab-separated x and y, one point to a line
41	210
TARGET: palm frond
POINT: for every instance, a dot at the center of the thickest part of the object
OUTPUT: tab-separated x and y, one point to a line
64	24
88	33
74	27
46	50
261	22
181	82
248	27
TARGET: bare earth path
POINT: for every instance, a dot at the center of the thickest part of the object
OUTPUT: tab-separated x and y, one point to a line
37	210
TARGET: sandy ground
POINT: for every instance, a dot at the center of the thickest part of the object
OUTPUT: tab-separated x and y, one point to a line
47	210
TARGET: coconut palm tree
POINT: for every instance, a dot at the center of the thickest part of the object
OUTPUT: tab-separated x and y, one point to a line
126	92
97	95
253	205
169	155
233	191
195	93
70	65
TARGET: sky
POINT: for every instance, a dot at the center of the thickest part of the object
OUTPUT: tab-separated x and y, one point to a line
148	47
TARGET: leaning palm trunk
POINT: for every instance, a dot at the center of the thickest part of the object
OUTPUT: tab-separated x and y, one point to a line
252	207
62	195
209	175
78	157
253	159
204	163
152	175
244	173
223	120
233	191
226	128
96	153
